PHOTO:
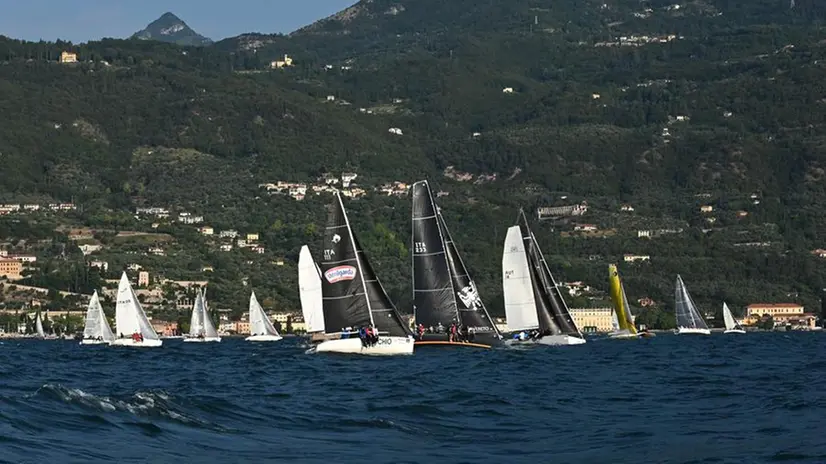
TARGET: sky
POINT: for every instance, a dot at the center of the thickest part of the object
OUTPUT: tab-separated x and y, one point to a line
84	20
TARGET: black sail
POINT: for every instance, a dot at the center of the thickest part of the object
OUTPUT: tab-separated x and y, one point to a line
472	311
434	301
559	308
342	288
547	322
385	316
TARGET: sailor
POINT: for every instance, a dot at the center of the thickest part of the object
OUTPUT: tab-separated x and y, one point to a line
464	333
440	328
363	336
523	335
421	331
452	334
375	335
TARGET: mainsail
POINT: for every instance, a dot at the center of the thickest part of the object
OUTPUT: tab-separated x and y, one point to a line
259	322
625	320
129	316
206	326
728	318
96	323
558	307
309	291
443	292
517	284
686	311
352	294
38	325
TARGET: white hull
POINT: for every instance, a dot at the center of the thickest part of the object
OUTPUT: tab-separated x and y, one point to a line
735	331
386	346
549	340
202	340
623	335
93	342
147	343
172	337
689	331
263	338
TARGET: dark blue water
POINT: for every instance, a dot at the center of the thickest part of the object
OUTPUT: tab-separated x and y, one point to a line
751	398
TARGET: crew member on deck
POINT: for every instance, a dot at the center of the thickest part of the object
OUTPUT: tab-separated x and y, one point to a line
421	331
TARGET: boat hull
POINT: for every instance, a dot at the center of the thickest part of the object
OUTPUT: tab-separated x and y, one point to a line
548	340
386	346
623	335
735	331
449	343
88	341
263	338
146	343
202	340
692	331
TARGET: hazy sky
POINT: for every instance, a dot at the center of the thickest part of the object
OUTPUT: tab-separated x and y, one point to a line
84	20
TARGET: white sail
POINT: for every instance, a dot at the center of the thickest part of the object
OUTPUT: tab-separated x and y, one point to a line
96	324
614	321
520	304
309	284
688	316
38	324
729	318
259	322
201	324
129	316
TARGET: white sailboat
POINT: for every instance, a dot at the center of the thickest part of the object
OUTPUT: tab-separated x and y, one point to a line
689	320
201	328
309	292
96	331
261	327
131	324
731	325
38	327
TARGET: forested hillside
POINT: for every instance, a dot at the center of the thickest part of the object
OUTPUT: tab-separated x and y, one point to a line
663	106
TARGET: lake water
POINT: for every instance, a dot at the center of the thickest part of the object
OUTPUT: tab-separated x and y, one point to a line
724	398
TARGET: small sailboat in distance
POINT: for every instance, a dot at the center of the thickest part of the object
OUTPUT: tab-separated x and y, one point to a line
261	327
731	324
131	324
96	330
201	328
689	320
38	327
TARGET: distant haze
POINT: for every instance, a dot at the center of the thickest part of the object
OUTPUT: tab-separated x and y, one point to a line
85	20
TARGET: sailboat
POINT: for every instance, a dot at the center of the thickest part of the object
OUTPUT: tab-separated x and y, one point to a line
532	299
731	325
689	320
622	318
38	326
443	291
353	297
309	292
261	328
201	329
96	331
131	324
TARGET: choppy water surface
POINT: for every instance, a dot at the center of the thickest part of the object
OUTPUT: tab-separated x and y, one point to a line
724	398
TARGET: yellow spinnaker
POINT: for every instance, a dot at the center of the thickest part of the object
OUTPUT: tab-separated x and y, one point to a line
620	301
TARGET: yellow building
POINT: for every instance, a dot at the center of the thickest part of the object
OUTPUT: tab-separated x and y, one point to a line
592	319
252	237
10	268
773	309
66	57
785	314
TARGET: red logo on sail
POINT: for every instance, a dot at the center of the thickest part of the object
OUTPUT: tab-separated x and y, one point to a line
339	273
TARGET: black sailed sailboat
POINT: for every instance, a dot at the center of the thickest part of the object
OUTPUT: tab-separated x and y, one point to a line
532	298
443	291
352	296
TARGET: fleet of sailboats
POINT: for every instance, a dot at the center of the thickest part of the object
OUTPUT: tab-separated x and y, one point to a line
689	320
96	331
342	296
261	327
353	297
444	294
533	301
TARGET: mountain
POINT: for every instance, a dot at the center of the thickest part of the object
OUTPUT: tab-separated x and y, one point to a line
170	28
706	117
